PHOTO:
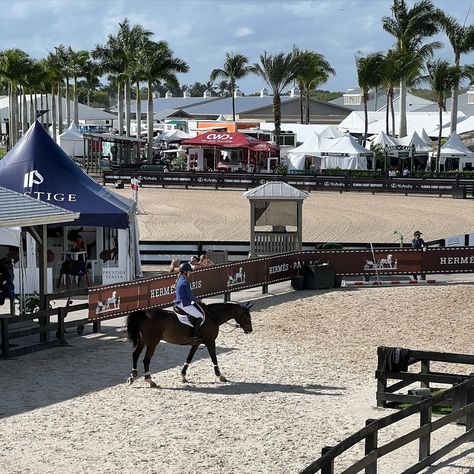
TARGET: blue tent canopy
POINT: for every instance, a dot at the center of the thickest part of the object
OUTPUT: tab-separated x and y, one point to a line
36	166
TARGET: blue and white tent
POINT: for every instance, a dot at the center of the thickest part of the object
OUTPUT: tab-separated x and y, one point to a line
36	166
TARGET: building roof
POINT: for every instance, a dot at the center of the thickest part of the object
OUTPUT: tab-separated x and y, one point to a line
276	190
171	103
18	210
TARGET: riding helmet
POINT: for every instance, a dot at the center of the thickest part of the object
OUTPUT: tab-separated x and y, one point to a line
185	267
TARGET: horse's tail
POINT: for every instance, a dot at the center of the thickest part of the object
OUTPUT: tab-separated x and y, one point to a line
133	325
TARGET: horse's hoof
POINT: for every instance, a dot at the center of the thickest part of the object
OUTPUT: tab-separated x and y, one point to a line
221	378
130	380
184	379
153	384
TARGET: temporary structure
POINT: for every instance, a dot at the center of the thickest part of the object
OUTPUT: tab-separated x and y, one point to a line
455	149
72	142
310	148
414	140
345	153
38	167
383	140
174	136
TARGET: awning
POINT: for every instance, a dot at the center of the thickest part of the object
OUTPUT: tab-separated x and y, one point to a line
225	140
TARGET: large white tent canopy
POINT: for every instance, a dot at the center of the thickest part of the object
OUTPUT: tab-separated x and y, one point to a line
455	148
72	141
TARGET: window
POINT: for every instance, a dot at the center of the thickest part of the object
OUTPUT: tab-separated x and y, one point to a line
470	98
352	99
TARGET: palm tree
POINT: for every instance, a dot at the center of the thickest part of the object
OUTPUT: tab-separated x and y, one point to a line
159	64
278	71
55	68
223	88
461	38
369	76
132	40
64	59
442	77
315	70
410	27
390	80
14	64
235	67
91	82
77	66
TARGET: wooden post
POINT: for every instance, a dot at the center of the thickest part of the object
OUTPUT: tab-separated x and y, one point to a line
425	441
381	377
370	445
470	416
96	327
264	289
425	369
62	312
226	297
4	320
328	468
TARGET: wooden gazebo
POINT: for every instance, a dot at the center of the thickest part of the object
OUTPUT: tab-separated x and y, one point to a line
274	207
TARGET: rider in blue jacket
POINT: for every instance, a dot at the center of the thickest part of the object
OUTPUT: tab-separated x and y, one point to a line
185	299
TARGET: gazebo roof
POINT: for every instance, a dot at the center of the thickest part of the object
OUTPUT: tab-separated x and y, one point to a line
276	190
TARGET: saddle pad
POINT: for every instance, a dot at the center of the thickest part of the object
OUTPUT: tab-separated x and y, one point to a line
183	319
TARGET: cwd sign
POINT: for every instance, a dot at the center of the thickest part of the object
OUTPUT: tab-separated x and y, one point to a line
219	136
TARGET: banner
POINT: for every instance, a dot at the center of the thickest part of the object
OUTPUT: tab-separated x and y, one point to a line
120	299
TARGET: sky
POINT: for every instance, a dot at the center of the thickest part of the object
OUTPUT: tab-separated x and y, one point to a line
202	31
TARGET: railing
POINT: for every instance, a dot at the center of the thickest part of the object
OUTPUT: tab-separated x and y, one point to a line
369	435
217	180
268	243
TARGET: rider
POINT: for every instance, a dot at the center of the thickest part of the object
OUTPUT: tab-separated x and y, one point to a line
185	299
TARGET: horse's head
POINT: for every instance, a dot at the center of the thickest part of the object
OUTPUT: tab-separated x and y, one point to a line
243	319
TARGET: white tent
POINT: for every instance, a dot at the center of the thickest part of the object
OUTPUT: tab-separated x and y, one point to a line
9	237
72	142
331	132
455	148
297	156
424	136
345	153
174	136
383	140
415	140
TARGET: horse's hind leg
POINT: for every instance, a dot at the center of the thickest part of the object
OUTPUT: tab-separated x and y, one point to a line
211	347
150	350
135	355
188	361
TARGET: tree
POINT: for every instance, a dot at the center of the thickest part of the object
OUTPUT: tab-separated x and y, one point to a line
278	71
77	67
369	76
64	62
391	76
410	27
315	70
223	88
159	64
461	38
235	67
442	77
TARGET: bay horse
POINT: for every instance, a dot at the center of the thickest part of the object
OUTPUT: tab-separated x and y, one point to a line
146	328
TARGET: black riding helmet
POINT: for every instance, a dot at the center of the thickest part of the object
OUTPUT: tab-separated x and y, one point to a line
185	267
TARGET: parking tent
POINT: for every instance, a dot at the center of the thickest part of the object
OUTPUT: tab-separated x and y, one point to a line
72	141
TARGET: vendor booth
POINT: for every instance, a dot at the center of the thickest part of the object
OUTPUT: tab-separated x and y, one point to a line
39	168
307	156
230	151
454	155
345	153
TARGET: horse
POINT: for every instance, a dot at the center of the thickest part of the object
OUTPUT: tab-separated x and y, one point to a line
146	328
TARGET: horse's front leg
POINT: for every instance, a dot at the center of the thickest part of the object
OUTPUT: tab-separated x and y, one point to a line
135	355
211	347
192	351
150	350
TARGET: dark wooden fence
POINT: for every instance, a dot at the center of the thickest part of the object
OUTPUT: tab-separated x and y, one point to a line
457	187
464	411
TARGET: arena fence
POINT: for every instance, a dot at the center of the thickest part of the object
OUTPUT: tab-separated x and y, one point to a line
458	188
369	435
120	299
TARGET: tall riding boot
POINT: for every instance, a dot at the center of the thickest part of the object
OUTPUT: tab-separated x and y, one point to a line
197	329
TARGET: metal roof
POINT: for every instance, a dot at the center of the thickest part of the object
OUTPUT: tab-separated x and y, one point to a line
242	105
18	210
162	103
276	190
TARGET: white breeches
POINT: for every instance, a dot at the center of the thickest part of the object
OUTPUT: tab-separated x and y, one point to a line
191	310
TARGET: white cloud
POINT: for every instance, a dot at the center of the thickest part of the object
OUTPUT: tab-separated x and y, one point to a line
244	31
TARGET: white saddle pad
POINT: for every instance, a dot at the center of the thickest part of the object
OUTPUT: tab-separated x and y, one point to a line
183	319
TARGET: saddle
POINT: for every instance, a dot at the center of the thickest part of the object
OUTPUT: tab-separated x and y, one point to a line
184	317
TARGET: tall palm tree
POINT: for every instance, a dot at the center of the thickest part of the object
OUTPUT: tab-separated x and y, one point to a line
64	59
441	78
390	80
278	71
223	88
14	64
315	70
461	38
159	64
235	67
91	82
55	68
369	76
410	27
133	39
77	66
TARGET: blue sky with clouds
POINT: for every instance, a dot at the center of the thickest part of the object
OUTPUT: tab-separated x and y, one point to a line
201	31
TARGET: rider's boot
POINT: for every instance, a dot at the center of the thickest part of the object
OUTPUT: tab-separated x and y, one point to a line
197	330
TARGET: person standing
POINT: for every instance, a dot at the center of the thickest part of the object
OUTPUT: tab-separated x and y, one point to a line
186	301
417	243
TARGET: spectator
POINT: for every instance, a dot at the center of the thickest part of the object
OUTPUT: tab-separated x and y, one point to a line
417	243
174	265
195	263
205	261
80	246
406	172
